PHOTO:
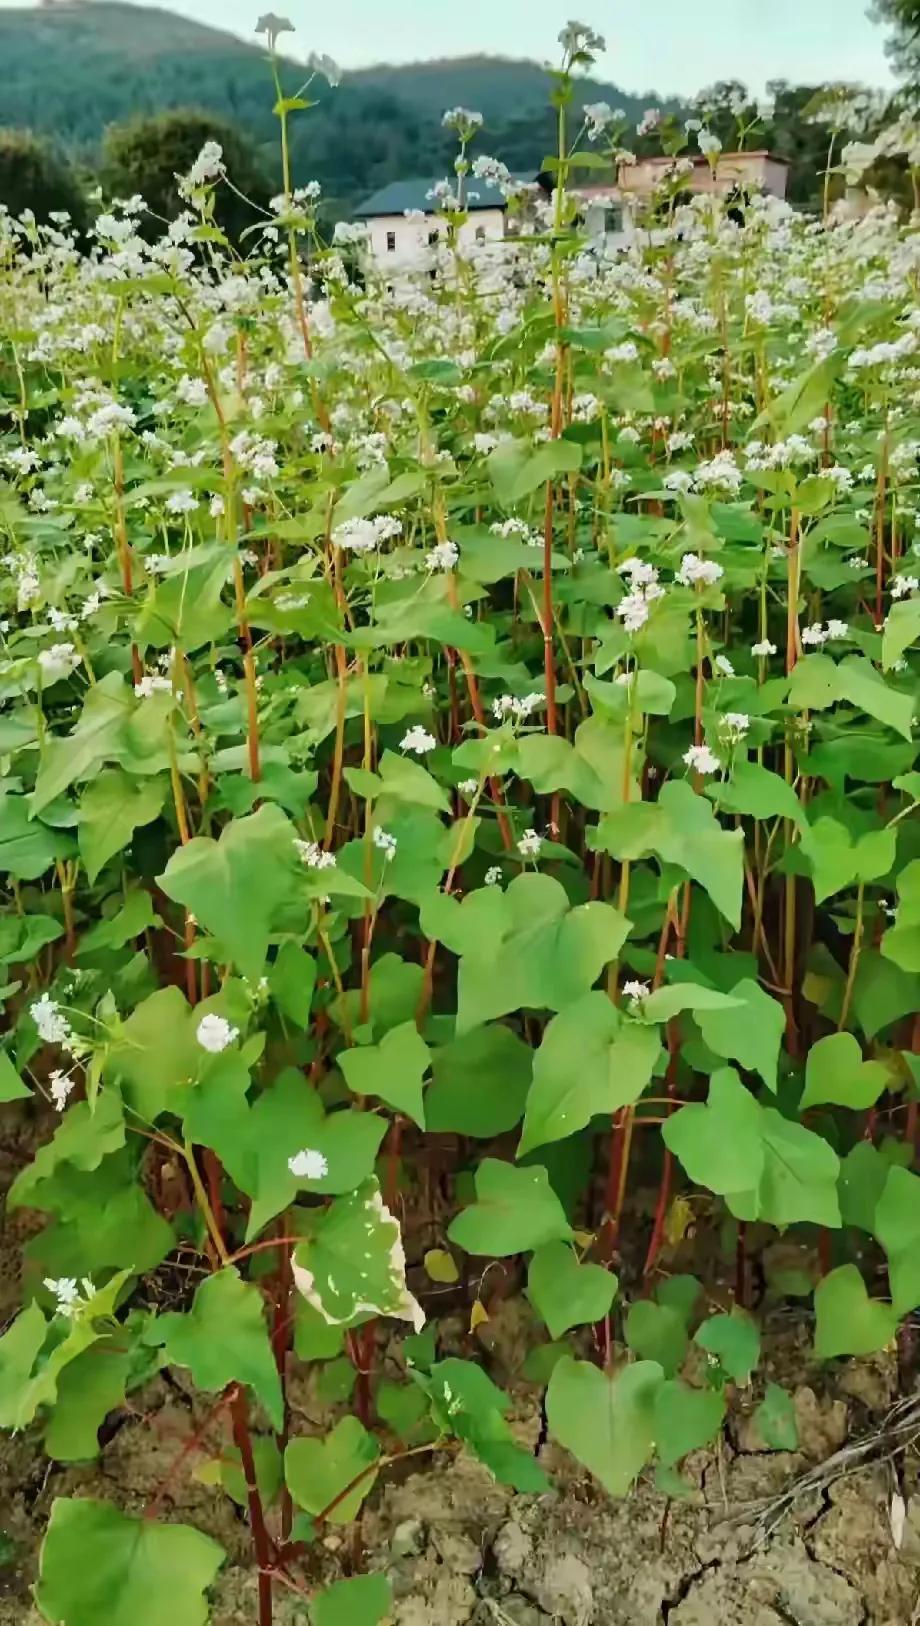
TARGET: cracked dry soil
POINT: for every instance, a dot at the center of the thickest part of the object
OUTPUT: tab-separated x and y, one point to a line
463	1551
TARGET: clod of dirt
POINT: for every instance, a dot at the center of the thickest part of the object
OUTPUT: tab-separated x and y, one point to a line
564	1590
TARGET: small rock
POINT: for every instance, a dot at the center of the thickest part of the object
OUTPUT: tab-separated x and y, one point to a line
564	1590
512	1549
458	1552
822	1424
408	1539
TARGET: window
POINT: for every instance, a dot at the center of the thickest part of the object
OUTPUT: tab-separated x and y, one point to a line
391	242
613	219
434	237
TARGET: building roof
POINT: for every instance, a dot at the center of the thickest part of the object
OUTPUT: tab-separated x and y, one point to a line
399	196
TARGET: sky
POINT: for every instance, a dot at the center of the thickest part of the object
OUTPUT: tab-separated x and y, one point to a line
675	46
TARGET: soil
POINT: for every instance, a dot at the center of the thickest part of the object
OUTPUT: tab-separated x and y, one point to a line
461	1550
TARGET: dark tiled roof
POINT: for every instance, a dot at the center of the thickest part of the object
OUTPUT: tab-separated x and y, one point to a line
399	196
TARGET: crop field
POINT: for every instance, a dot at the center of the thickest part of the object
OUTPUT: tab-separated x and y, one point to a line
460	868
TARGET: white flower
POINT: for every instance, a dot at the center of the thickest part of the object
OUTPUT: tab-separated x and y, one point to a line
509	705
182	501
700	758
813	637
734	725
312	854
493	875
903	585
385	842
468	787
52	1026
636	991
633	611
418	739
151	684
530	844
60	1085
58	662
442	557
837	629
67	1293
308	1165
365	535
723	664
693	569
215	1033
763	648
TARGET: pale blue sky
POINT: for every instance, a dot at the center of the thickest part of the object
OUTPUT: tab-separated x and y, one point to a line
671	45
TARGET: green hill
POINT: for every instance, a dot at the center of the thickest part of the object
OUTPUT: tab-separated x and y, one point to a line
69	70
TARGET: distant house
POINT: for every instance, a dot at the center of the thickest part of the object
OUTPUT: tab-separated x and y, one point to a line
610	213
404	226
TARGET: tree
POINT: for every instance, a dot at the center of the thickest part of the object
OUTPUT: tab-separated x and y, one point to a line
33	177
147	154
903	16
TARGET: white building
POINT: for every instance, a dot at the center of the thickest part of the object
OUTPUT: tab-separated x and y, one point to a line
404	226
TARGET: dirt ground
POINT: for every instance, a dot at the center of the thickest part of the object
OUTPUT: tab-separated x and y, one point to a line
461	1550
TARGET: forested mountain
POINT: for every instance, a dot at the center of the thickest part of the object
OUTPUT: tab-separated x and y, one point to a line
69	70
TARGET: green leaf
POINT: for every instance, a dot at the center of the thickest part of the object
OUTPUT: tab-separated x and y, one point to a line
837	861
364	1601
87	1390
897	1226
775	1420
112	807
664	1003
836	1074
606	1421
479	1083
291	980
515	1209
866	689
235	886
735	1342
902	629
392	1071
100	734
224	1339
99	1567
19	1348
685	1419
615	1061
11	1085
318	1471
565	1293
27	847
465	1402
755	791
516	470
750	1034
719	1144
82	1139
351	1264
848	1321
114	931
657	1332
155	1054
765	1167
523	948
681	828
901	942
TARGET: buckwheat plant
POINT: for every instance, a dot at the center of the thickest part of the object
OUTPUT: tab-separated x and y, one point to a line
457	765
